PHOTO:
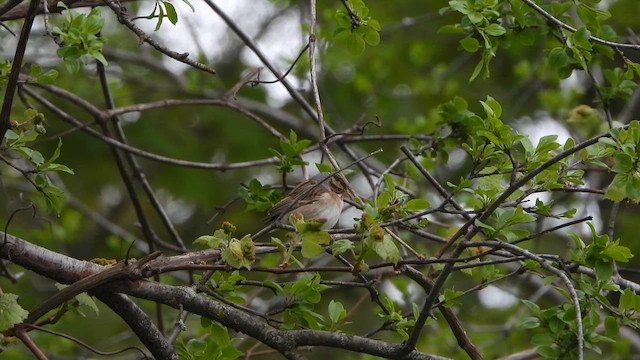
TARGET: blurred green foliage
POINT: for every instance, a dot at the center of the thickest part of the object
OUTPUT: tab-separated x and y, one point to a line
470	67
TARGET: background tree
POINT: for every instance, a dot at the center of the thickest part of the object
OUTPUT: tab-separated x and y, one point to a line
143	142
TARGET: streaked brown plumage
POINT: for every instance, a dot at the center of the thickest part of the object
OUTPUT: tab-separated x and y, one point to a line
319	197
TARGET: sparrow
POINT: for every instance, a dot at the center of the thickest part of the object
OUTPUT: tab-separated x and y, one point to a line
319	197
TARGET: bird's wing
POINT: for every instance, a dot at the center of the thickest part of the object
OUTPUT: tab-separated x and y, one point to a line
302	194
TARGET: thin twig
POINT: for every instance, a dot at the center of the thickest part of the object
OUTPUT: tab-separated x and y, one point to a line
246	39
557	22
85	345
145	154
134	165
142	36
448	268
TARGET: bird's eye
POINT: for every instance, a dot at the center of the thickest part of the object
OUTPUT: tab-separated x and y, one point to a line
338	185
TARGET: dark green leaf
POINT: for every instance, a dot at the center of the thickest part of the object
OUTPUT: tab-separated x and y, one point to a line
171	12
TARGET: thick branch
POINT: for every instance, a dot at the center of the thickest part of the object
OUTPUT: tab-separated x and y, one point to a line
140	323
67	270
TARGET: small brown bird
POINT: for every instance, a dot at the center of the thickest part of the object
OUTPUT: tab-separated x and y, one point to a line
319	197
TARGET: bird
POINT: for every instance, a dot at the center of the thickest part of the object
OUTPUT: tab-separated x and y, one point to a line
319	197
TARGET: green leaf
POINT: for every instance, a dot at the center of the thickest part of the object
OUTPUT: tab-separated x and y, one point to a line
611	327
546	144
558	58
279	244
624	163
582	37
417	205
542	339
340	246
54	197
324	168
383	200
312	243
478	69
547	352
30	154
492	107
530	323
35	70
451	29
616	191
604	269
56	167
11	313
533	307
209	241
239	253
633	188
160	17
386	249
94	22
171	12
98	56
618	253
494	30
48	77
355	44
371	36
470	44
629	301
189	4
86	302
449	298
337	311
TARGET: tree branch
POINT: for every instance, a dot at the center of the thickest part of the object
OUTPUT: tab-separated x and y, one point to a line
5	112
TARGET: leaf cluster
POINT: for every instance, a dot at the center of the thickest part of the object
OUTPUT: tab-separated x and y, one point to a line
79	38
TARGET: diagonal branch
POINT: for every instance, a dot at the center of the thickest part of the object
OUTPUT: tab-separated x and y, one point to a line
5	113
561	24
67	270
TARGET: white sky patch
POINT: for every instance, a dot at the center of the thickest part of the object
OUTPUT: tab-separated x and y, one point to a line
389	289
495	298
541	126
177	209
282	51
574	81
204	32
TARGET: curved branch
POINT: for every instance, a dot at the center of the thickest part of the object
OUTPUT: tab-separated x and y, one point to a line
145	154
140	323
197	102
561	24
